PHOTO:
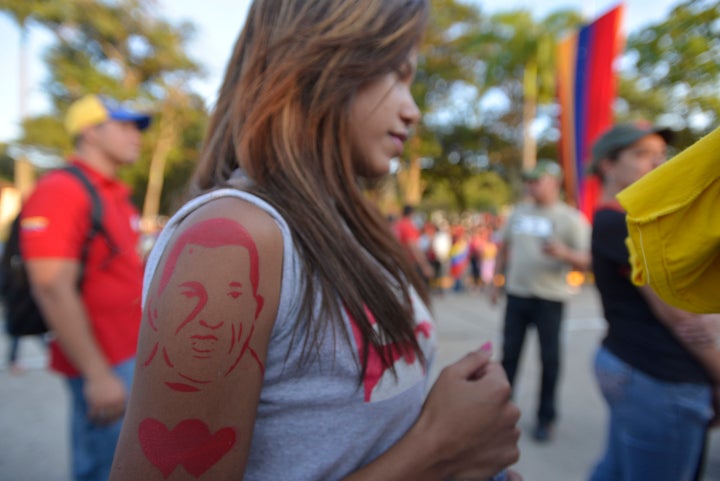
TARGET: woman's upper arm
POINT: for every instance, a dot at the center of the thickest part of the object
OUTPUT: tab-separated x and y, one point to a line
203	343
665	313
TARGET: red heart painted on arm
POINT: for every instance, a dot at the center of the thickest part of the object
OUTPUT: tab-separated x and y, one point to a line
190	444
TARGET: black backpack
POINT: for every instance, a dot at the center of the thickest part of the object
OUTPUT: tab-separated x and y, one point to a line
22	315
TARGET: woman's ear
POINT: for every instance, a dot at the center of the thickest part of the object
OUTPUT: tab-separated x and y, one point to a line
605	168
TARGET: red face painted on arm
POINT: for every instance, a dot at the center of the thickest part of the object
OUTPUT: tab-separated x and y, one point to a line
221	306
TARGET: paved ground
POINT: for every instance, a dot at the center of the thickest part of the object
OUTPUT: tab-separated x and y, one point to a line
33	406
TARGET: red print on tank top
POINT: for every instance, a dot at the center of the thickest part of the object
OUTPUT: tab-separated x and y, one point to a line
377	369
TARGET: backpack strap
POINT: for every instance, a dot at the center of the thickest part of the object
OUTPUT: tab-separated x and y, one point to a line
96	213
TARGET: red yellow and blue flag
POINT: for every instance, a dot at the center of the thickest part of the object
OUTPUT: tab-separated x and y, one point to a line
586	86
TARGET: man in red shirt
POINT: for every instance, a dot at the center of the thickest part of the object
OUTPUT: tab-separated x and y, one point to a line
408	235
92	308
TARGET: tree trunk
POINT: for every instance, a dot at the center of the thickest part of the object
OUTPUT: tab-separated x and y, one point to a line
413	187
529	154
24	177
166	139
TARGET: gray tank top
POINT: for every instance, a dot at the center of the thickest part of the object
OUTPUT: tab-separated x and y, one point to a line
316	420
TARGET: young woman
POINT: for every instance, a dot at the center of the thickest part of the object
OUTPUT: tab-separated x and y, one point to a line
657	364
285	335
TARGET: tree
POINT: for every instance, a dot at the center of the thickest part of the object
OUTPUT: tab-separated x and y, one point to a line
22	12
126	50
674	69
441	69
522	70
474	79
482	81
7	167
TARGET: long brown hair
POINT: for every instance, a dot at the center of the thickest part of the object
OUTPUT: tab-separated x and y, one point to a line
282	116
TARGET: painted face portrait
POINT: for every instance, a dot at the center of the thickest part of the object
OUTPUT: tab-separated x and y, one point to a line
212	333
218	314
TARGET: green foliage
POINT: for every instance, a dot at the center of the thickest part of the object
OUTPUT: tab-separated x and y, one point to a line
180	162
47	131
23	11
124	49
441	67
479	57
7	164
470	86
484	191
121	48
487	192
675	72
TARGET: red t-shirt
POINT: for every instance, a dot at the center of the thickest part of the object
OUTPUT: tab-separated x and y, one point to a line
406	231
55	223
407	234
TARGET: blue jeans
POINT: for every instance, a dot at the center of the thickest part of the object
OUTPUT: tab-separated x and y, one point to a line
546	316
656	428
93	446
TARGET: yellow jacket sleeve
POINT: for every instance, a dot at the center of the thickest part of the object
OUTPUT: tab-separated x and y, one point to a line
636	262
674	226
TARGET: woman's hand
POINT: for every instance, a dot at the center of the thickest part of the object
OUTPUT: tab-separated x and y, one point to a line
470	416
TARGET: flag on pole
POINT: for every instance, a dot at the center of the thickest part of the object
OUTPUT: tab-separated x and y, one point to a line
586	89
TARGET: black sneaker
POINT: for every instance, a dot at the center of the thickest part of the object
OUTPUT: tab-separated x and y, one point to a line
543	432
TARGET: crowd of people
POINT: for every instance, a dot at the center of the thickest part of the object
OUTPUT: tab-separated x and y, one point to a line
460	252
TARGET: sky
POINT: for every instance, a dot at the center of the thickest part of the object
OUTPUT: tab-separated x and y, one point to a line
218	23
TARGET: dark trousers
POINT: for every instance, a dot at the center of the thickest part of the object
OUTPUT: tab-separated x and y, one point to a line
14	350
546	316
